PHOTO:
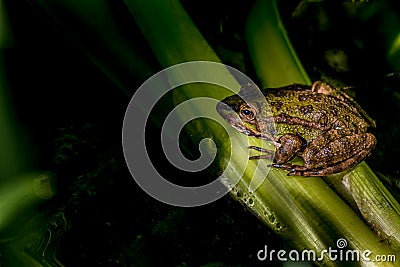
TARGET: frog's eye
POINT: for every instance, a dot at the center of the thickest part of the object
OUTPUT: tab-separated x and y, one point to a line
248	113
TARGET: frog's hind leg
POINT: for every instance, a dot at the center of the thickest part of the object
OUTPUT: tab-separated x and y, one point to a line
342	166
334	156
298	170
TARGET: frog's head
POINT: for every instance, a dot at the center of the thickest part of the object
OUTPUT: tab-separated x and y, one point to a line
242	111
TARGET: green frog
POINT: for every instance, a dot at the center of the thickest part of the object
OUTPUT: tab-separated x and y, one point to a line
321	124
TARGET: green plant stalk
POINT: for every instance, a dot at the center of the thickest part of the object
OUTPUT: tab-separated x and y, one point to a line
20	194
18	200
302	210
265	27
376	204
6	33
14	157
274	58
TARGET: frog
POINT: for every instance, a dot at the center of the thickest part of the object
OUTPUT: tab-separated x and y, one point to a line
320	124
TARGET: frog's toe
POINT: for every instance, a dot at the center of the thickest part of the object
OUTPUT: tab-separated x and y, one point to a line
289	167
285	166
296	170
307	172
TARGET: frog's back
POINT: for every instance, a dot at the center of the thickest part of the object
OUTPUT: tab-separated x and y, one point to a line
309	113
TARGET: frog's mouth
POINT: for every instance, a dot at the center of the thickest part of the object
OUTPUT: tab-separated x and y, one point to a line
236	122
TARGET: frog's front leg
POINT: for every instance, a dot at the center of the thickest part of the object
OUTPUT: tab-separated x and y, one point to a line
331	153
268	153
288	146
